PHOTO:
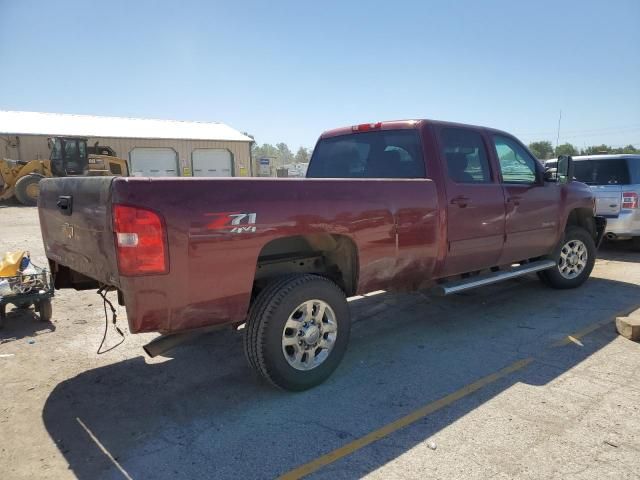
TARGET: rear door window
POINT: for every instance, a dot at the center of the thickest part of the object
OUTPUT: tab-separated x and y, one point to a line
606	171
466	155
378	154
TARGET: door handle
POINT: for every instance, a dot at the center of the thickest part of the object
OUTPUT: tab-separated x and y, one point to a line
460	200
514	200
65	204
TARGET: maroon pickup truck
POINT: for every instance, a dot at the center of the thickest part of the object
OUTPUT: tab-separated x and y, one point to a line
399	205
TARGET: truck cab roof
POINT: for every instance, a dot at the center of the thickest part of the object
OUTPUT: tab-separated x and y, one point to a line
399	125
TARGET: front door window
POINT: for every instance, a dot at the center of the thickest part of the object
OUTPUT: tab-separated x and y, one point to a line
516	164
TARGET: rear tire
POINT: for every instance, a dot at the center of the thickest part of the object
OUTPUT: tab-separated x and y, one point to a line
636	243
27	190
575	257
297	331
3	315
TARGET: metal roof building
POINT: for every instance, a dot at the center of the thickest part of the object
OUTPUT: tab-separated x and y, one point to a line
152	147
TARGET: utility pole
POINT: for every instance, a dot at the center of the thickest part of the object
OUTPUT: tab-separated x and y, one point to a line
558	136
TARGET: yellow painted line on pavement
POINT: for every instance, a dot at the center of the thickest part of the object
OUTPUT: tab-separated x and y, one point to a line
414	416
575	337
575	340
351	447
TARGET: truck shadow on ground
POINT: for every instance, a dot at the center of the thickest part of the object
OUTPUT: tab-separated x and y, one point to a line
202	414
621	251
23	323
13	203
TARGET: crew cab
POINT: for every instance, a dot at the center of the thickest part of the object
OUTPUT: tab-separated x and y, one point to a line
399	205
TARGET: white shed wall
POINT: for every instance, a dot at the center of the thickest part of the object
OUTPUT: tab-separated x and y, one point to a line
35	146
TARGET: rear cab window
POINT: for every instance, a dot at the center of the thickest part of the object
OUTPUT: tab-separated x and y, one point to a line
605	171
372	154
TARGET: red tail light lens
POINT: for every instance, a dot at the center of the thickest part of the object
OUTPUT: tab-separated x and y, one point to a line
629	200
140	241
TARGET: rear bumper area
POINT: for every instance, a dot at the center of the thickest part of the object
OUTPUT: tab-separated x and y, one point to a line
624	225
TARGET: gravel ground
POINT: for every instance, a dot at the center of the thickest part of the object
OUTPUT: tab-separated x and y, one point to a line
572	412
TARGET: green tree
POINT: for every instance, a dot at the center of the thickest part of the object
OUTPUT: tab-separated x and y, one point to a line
566	149
629	149
302	155
596	149
264	150
285	155
542	149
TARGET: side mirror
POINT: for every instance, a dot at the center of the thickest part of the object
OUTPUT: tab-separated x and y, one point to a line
565	169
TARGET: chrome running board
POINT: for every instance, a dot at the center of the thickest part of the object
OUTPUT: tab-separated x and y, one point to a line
457	286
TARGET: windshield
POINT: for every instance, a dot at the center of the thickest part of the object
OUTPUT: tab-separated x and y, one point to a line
613	171
379	154
68	156
56	149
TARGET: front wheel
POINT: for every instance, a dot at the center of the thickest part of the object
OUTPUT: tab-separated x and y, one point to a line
297	331
575	258
27	190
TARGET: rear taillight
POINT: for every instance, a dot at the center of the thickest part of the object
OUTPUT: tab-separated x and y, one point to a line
140	241
629	200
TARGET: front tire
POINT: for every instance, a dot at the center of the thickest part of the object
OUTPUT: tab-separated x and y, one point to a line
575	257
28	190
297	331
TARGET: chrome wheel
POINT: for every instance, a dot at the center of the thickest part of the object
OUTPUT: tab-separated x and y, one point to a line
309	335
573	259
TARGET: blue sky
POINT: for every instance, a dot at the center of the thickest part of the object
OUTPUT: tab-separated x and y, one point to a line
286	71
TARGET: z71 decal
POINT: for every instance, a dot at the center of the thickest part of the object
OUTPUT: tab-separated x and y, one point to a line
232	222
215	224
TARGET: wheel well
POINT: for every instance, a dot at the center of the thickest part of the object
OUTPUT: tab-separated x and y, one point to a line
583	217
332	256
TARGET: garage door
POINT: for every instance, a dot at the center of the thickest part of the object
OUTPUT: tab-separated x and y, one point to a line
211	162
154	162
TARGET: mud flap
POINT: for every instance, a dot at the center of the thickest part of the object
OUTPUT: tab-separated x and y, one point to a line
601	226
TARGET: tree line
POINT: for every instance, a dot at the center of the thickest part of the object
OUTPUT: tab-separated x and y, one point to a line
544	149
280	154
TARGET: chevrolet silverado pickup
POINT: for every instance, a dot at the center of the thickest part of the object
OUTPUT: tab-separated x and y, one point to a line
399	205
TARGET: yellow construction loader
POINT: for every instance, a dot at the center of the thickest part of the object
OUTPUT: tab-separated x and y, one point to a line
69	156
